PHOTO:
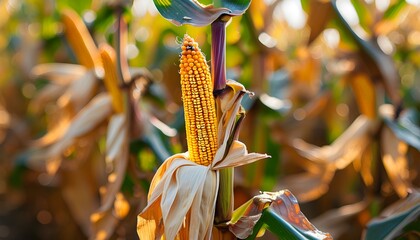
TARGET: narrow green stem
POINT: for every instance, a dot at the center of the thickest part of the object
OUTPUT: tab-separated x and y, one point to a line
224	204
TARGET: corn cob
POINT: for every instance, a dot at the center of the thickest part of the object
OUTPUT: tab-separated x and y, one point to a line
111	77
199	104
80	40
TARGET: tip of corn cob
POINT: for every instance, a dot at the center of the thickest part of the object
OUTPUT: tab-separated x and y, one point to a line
199	104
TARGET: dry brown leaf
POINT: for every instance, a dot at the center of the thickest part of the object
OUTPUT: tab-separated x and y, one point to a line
46	95
394	153
84	122
79	194
79	92
320	12
308	186
363	165
115	137
345	148
113	204
58	73
337	221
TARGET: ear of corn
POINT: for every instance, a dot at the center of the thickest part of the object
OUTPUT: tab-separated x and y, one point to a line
111	77
80	40
199	104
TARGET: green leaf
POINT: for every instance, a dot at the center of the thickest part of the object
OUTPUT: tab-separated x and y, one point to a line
193	12
406	127
394	218
279	212
395	9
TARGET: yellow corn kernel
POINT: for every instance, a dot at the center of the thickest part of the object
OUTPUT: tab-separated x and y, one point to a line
199	105
111	77
80	40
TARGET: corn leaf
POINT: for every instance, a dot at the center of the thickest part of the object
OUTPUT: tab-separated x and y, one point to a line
406	127
193	12
279	212
319	14
392	221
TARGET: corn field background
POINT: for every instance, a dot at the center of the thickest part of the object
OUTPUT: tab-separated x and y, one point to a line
91	106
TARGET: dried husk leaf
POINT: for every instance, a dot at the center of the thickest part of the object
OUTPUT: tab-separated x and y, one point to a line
84	122
345	148
114	206
394	153
46	95
79	193
309	186
58	73
115	137
337	221
79	92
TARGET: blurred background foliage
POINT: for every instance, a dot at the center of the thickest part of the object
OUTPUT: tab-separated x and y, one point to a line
336	105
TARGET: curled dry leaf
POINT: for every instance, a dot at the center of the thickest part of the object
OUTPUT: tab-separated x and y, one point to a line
283	204
320	12
114	206
394	153
58	73
85	121
345	148
79	92
79	193
337	221
309	186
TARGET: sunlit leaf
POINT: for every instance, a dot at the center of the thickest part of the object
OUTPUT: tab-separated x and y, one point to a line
395	162
79	194
338	221
319	14
281	214
194	13
308	186
345	149
391	20
59	73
